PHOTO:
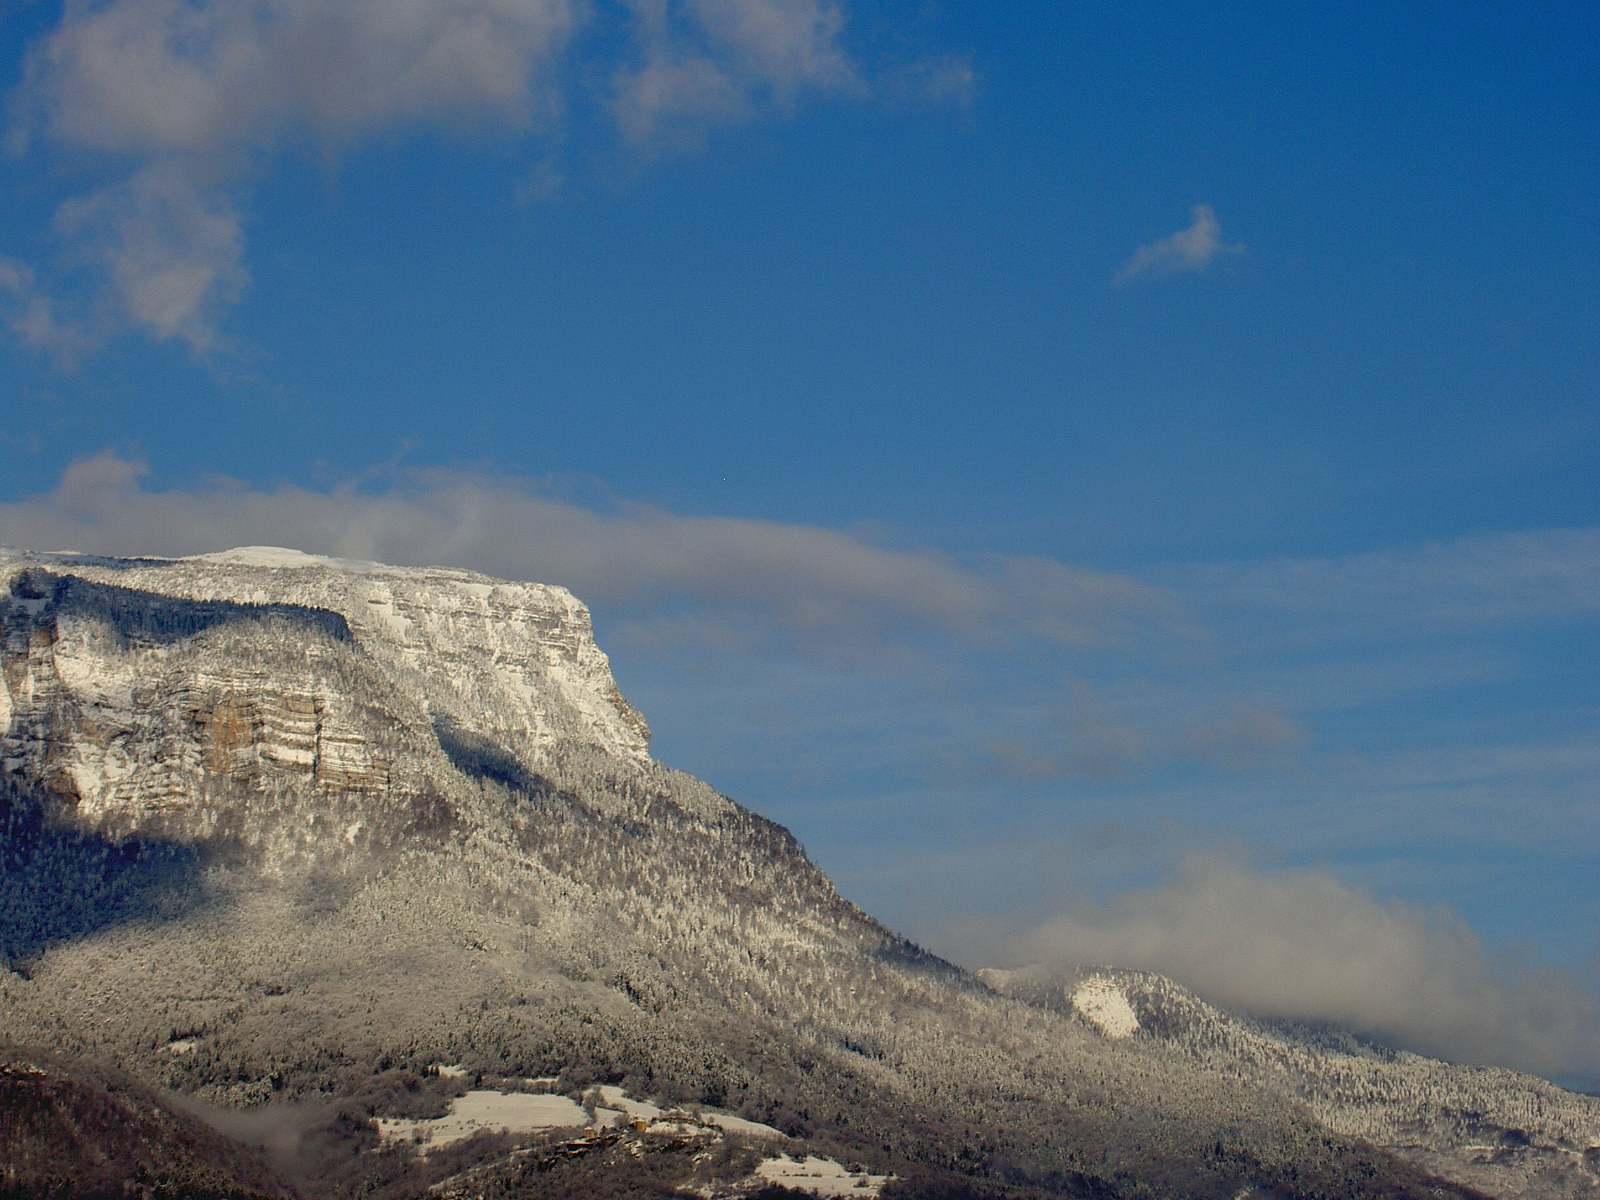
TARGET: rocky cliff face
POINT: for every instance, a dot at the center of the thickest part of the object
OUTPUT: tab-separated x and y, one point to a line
281	830
160	695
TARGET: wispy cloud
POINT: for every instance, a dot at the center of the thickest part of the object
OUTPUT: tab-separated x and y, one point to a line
1475	580
671	576
169	248
949	79
183	103
1089	737
1193	249
711	61
33	316
1302	945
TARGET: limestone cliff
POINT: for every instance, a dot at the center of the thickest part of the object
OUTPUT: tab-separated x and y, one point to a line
148	693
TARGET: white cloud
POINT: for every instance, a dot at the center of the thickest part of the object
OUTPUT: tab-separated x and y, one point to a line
1302	945
182	101
1191	249
167	253
709	577
679	92
193	95
787	44
174	77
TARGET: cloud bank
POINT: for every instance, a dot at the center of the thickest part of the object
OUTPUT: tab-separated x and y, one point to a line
1302	945
1193	249
673	577
178	104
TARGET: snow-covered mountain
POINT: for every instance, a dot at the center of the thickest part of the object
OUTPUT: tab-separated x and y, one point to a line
283	834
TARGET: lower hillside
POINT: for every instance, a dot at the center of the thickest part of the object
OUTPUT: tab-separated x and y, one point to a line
74	1129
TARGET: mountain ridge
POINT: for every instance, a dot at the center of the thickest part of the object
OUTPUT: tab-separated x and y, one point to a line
309	852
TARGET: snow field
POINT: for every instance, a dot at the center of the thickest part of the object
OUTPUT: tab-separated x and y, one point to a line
509	1112
1104	1005
739	1125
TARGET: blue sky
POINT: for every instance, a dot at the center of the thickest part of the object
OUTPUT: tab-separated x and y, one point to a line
1079	466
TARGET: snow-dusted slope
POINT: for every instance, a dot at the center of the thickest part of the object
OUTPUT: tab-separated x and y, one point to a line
278	826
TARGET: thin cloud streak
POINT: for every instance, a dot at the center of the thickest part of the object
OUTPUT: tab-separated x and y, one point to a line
1477	580
1087	737
711	61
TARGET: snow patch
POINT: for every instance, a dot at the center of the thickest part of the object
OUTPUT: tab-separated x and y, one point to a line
820	1176
617	1100
731	1124
1104	1005
381	610
613	1107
